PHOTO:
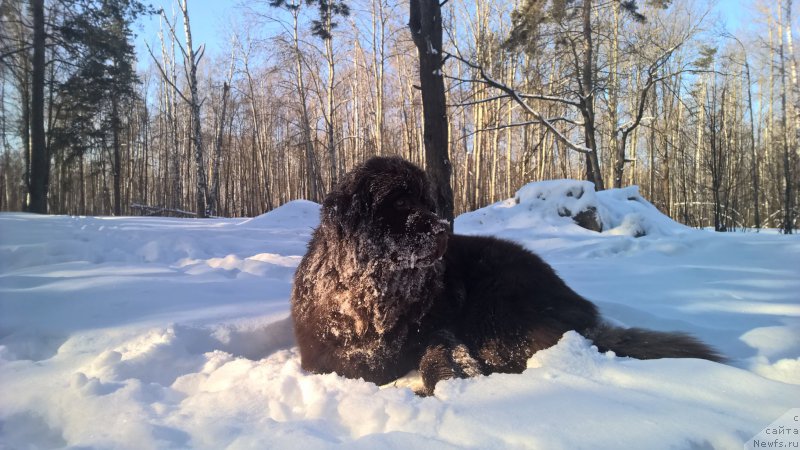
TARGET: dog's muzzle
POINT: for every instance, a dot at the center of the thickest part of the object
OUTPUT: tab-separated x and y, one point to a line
432	231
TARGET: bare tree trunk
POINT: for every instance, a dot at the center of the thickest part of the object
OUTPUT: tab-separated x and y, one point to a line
477	145
613	102
201	189
425	22
593	172
314	179
40	160
632	177
213	201
495	138
25	132
788	207
82	188
753	155
117	165
795	88
172	154
379	58
509	142
651	188
330	107
769	150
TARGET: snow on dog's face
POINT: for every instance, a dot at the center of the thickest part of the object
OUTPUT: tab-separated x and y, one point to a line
385	204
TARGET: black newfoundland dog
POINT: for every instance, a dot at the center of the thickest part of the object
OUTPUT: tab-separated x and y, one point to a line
385	289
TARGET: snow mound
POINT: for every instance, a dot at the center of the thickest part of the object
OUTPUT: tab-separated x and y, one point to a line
572	207
294	214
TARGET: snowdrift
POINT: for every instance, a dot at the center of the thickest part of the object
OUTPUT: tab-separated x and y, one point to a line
571	206
174	333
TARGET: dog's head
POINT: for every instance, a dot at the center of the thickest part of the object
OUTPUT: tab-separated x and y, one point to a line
386	202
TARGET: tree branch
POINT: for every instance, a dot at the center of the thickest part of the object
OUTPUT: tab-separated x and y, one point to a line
164	74
514	95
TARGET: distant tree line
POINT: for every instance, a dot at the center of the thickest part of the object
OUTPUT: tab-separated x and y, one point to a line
653	93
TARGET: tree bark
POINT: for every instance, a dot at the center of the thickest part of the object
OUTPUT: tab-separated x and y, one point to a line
330	107
213	201
117	166
379	58
40	161
201	187
593	172
793	72
425	22
788	207
314	179
753	155
25	131
613	101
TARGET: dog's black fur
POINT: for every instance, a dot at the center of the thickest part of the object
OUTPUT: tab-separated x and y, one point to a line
385	289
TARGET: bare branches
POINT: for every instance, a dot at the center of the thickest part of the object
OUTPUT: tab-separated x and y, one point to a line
164	75
8	53
550	98
516	97
522	124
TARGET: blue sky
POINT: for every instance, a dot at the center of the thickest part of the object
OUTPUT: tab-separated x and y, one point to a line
210	20
733	11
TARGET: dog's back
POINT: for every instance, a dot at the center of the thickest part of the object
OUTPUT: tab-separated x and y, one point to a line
505	303
507	296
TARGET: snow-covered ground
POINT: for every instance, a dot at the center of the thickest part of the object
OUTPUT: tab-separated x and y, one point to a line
167	333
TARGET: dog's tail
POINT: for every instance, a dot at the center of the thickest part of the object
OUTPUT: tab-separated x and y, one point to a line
647	344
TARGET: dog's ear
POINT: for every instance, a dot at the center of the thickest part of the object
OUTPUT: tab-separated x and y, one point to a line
349	202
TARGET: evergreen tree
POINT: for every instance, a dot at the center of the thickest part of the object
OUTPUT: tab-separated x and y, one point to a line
98	38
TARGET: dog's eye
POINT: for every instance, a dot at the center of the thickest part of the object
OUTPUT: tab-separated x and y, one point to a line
400	203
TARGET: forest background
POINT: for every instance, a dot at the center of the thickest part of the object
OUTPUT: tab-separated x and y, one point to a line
110	107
